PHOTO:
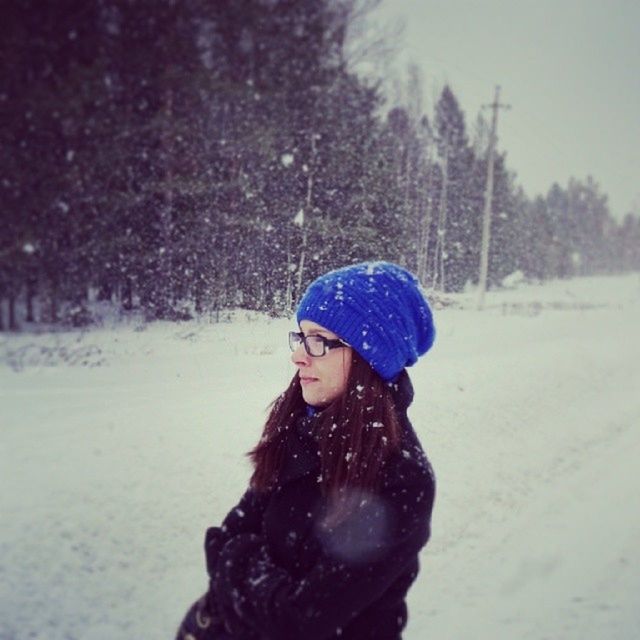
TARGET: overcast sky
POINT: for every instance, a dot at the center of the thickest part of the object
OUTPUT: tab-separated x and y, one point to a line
570	69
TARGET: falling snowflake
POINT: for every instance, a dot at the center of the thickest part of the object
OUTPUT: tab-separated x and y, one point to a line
286	159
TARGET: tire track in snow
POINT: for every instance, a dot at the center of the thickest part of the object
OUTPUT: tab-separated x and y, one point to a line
533	567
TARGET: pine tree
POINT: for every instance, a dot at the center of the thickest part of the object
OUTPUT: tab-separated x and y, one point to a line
559	250
457	232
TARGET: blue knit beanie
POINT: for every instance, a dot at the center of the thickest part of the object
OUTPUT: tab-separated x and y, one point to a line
378	308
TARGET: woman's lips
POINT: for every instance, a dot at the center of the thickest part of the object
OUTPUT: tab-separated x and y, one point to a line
305	381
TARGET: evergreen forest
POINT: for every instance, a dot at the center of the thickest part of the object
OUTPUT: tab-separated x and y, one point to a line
177	158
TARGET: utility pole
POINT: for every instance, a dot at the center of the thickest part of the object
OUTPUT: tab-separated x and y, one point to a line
488	196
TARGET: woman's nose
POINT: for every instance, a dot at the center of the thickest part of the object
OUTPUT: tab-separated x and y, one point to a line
300	357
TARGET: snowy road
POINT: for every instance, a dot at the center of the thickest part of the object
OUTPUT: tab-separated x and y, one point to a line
564	561
539	537
111	474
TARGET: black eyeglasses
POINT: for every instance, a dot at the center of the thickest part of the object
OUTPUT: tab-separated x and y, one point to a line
314	345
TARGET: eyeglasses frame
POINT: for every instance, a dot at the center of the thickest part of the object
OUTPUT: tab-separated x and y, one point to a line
327	343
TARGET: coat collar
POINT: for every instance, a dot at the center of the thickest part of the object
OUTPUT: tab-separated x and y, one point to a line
402	390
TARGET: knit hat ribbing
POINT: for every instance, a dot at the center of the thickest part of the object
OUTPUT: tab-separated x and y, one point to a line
378	308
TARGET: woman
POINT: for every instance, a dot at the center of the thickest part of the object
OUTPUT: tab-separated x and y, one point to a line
325	542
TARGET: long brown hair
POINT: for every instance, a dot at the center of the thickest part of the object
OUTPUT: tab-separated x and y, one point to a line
356	433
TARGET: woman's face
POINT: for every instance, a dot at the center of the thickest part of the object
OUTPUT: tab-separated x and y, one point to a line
323	378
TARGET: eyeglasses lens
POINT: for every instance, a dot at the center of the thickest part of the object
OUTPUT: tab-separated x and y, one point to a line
314	345
294	340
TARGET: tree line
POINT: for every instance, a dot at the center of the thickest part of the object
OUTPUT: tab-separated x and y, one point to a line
186	157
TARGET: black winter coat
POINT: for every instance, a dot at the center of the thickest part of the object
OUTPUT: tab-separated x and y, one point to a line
277	574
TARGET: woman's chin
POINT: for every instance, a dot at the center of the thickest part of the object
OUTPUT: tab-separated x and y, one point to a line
317	400
311	399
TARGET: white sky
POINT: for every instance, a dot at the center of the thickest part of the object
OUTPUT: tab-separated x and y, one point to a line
570	69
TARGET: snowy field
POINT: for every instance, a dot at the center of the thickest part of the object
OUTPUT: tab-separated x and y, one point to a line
119	446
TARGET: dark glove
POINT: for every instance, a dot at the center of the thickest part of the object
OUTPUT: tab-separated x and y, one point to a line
237	583
201	622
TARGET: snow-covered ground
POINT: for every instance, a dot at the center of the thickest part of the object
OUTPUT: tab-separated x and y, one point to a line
119	446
